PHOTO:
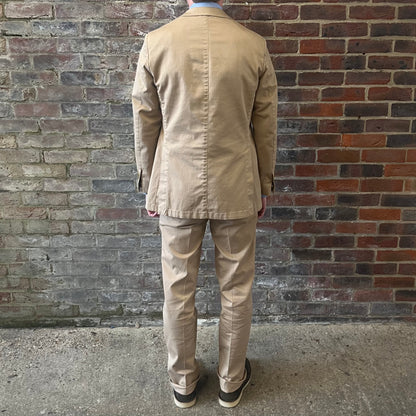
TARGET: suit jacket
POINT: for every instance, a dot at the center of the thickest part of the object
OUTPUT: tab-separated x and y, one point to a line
205	106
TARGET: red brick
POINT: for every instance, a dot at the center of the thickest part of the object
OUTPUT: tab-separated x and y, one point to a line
37	110
384	155
321	110
346	30
410	185
280	200
298	94
343	94
400	170
390	94
354	256
87	10
322	12
390	62
405	46
262	28
381	185
341	126
372	295
337	185
405	78
322	46
370	46
295	62
282	46
356	228
364	140
394	282
407	269
378	214
273	12
334	241
17	10
393	29
411	155
318	140
372	12
374	242
315	199
321	78
316	170
338	156
367	78
346	62
288	110
277	226
296	29
315	227
387	125
407	12
396	255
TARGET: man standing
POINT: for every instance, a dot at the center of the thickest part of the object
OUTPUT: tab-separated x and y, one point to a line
205	104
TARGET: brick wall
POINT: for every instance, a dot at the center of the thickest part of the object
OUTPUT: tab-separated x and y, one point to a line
338	241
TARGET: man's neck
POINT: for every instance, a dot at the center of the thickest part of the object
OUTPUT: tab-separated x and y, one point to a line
206	4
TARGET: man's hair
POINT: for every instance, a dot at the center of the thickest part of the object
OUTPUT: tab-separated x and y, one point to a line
203	1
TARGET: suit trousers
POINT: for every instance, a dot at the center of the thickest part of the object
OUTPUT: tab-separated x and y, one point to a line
235	242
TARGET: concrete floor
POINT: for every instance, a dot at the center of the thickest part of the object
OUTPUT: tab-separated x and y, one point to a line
298	369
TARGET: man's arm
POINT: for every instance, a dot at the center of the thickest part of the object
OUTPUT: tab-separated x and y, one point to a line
147	118
265	124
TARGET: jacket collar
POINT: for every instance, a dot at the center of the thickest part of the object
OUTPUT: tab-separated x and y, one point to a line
206	11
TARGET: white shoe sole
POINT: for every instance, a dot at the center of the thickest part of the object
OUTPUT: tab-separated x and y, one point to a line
184	405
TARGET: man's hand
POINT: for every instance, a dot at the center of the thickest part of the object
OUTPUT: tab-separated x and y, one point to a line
152	214
260	214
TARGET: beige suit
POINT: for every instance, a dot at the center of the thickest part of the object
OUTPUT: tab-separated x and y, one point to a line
204	103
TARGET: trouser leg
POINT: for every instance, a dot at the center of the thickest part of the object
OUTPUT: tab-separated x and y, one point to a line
181	252
235	242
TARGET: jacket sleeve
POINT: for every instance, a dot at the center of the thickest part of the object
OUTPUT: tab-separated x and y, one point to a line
147	118
264	124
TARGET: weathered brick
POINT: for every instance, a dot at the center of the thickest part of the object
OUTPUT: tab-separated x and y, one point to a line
98	29
53	28
65	156
389	94
59	93
405	78
37	110
88	10
113	185
17	10
68	126
10	126
54	62
84	109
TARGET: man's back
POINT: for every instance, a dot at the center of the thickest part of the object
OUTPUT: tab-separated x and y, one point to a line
206	69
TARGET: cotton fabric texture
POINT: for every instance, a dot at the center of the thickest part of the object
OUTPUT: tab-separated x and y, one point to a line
204	105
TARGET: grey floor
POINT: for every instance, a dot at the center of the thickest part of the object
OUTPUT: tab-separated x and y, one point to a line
298	369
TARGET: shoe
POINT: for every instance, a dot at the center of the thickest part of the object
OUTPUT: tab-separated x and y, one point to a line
184	400
232	399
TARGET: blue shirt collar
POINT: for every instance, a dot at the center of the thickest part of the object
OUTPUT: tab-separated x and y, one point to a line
206	4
